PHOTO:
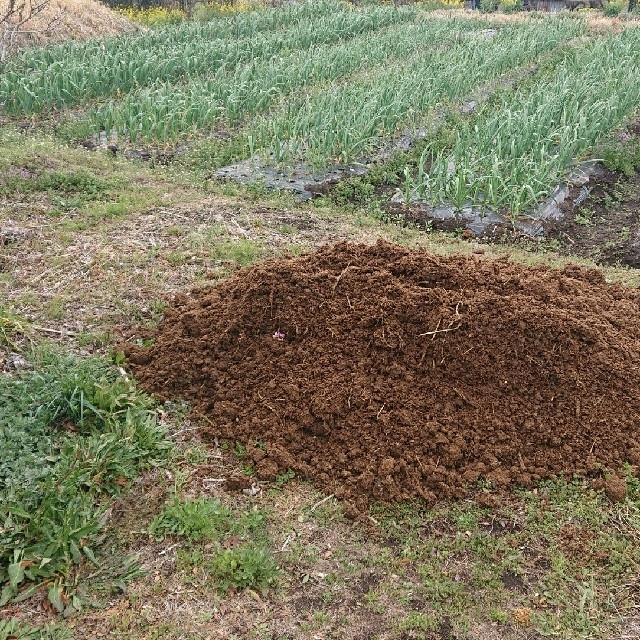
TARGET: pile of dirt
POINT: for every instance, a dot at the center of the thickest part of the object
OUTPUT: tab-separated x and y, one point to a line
383	373
62	20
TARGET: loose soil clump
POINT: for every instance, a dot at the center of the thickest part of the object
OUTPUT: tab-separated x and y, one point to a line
385	374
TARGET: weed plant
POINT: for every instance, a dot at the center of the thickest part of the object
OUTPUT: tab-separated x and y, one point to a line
231	547
14	630
73	433
153	16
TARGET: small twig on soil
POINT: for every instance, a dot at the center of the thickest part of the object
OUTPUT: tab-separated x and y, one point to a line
213	480
321	502
433	337
177	433
56	331
381	410
340	278
284	546
433	333
464	397
169	548
242	231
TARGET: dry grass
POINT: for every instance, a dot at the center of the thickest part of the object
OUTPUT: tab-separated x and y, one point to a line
73	20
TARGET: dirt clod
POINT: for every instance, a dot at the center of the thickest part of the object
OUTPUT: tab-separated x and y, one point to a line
615	489
387	374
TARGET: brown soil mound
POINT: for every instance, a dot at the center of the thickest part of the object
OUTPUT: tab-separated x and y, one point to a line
387	374
63	20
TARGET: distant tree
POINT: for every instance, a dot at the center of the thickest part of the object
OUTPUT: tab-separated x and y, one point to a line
14	19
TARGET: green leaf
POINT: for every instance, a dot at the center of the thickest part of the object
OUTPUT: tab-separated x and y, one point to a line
26	593
6	595
55	597
16	574
15	511
75	551
90	555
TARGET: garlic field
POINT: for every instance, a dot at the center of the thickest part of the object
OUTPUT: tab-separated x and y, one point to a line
325	83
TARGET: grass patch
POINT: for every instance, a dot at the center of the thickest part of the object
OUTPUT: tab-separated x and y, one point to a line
14	630
560	559
73	433
230	548
46	174
243	252
12	329
66	190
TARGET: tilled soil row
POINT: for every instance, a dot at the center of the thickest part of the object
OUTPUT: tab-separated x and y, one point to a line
385	374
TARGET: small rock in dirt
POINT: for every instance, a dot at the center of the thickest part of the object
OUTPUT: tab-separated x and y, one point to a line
236	483
255	453
487	500
468	107
267	469
9	235
15	362
615	489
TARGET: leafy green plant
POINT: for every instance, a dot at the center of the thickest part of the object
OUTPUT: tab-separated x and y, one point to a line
621	153
585	217
194	520
354	191
15	630
12	327
613	8
231	546
73	433
285	477
246	566
511	6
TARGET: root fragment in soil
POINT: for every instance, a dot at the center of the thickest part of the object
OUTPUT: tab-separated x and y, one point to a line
386	374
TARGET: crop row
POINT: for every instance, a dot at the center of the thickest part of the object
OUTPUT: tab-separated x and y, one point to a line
514	152
167	112
94	73
348	120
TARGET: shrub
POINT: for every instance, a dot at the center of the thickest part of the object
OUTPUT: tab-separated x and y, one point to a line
614	8
488	6
354	191
210	10
511	6
154	16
